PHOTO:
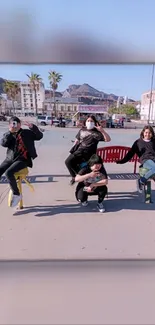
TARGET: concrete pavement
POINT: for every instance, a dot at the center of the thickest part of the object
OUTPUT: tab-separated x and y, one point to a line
54	226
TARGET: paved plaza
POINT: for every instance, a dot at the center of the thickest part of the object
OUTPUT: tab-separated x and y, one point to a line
54	226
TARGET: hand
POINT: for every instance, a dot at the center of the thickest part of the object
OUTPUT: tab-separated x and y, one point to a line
12	130
99	128
88	189
94	174
92	187
30	125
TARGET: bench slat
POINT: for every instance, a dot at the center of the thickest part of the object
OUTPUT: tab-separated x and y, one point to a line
113	153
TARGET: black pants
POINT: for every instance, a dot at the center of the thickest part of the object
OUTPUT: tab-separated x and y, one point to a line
10	168
72	164
82	195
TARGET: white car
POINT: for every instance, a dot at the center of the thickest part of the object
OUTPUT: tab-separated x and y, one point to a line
46	120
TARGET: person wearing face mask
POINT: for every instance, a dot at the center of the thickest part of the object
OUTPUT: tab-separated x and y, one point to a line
85	145
144	147
20	152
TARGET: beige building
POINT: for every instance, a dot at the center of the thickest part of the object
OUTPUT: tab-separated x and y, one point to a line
3	104
65	106
145	104
28	98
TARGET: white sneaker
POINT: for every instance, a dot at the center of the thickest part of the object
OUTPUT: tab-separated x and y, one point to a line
84	204
101	207
15	200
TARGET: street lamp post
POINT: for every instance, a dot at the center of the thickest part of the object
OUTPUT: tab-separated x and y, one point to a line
150	102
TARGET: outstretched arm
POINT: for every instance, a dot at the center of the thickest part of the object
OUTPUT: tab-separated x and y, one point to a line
129	155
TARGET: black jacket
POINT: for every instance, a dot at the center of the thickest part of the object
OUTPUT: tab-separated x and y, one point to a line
28	136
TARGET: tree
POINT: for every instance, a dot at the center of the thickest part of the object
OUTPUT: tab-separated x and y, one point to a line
35	81
12	89
54	78
124	109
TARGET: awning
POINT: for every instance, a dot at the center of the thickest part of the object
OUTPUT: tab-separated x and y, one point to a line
101	109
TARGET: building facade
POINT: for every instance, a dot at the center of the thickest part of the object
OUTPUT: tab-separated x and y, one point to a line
67	107
145	105
28	105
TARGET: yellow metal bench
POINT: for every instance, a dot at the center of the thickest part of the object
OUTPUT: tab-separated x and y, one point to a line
20	177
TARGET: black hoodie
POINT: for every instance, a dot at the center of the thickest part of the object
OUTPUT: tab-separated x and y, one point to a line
20	145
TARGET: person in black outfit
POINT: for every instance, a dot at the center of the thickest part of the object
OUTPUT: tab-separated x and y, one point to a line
20	152
92	180
144	147
85	145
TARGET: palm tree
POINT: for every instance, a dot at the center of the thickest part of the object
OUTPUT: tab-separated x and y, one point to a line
54	78
12	89
1	100
35	81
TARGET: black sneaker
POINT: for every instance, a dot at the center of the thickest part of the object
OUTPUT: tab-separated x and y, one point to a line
72	181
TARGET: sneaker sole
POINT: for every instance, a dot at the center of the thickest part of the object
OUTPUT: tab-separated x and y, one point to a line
101	211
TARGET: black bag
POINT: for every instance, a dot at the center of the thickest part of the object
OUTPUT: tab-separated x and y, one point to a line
74	148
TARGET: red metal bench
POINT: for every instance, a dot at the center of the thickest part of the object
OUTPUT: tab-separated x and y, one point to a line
113	153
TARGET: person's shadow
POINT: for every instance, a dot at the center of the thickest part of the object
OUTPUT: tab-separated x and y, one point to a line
114	203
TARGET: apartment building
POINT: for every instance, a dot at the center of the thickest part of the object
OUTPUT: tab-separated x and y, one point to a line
28	98
145	104
65	106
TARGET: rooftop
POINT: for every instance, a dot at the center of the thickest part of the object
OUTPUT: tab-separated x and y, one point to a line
63	100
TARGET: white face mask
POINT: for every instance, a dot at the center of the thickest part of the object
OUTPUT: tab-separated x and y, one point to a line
90	125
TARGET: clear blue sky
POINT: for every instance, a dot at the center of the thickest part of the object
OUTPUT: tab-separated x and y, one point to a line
125	80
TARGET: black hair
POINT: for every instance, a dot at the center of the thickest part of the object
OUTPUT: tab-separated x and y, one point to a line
14	119
147	127
95	159
93	118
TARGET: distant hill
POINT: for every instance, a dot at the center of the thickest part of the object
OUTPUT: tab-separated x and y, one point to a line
77	91
86	90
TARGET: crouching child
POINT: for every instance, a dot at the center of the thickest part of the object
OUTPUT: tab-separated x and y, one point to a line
92	180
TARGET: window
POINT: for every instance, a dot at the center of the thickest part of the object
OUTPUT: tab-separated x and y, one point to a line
69	108
31	105
75	108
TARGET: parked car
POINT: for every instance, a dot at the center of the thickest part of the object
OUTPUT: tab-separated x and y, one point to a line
46	120
3	118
